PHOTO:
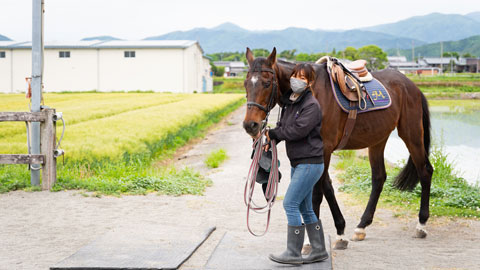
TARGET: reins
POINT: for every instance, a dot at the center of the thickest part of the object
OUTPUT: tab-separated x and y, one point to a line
258	144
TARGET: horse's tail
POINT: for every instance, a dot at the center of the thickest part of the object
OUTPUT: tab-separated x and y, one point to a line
408	178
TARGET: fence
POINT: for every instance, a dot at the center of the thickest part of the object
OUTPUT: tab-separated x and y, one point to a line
47	159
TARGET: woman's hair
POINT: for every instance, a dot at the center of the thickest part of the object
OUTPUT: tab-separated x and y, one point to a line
307	69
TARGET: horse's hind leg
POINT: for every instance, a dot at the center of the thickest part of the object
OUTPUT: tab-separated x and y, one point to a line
379	175
324	187
415	132
424	170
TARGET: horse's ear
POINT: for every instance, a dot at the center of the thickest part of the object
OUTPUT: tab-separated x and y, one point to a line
272	58
249	56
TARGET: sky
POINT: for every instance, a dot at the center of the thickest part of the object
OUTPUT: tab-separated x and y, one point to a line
71	20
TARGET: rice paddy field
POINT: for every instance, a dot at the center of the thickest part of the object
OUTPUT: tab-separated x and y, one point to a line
112	139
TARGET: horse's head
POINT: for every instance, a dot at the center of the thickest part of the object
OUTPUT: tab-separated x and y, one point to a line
261	86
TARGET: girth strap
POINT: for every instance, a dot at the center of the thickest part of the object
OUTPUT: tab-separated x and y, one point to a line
348	129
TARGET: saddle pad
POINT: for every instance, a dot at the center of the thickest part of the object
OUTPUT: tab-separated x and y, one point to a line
377	97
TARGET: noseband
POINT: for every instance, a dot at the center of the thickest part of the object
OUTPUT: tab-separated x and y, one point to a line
271	101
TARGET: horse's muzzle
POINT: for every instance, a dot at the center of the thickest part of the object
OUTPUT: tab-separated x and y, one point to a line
251	127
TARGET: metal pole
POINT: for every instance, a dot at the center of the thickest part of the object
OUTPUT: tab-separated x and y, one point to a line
441	57
37	70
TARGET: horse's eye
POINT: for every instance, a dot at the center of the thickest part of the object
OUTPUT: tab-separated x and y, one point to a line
267	84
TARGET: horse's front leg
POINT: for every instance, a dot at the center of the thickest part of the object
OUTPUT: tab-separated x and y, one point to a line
379	175
324	187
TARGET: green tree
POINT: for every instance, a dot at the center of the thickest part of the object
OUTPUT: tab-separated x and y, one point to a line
451	54
219	71
467	55
303	57
334	52
261	52
350	53
288	54
374	55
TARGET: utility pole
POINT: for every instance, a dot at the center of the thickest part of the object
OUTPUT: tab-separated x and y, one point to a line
441	56
37	79
413	51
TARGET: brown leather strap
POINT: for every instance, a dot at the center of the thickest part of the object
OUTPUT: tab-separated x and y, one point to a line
347	131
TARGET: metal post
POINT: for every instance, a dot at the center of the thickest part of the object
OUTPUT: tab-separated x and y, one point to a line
37	72
441	57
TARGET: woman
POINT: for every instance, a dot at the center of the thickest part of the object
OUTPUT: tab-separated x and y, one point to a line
299	127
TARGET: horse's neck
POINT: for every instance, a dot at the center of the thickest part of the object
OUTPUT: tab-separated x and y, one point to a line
283	70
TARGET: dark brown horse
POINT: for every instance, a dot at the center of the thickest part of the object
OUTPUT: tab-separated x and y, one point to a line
408	113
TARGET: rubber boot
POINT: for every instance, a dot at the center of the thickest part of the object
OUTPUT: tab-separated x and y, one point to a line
317	241
293	254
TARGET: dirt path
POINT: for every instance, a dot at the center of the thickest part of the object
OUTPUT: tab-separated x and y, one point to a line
38	229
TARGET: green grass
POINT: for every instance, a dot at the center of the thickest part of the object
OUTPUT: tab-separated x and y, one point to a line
450	195
458	77
215	158
133	172
449	92
450	89
228	85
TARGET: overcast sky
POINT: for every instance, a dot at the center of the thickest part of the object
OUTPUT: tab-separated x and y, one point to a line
70	20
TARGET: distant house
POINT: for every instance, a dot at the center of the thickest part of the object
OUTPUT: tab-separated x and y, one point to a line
232	68
453	64
401	64
472	65
177	66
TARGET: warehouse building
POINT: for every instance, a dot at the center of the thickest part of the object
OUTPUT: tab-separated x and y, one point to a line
177	66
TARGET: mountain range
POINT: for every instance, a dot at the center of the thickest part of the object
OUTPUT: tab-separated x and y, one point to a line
100	38
433	27
4	38
228	37
469	45
420	30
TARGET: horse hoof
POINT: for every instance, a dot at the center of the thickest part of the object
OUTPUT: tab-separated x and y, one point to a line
420	231
340	244
307	248
359	234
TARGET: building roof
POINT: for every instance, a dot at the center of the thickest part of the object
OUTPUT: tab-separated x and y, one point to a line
438	60
404	64
397	59
104	44
146	44
233	64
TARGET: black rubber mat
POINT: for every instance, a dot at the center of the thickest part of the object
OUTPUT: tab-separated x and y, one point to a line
140	247
240	250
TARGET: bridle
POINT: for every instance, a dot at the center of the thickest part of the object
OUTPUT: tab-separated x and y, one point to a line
273	178
271	100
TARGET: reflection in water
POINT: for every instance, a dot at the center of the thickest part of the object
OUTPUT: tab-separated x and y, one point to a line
460	132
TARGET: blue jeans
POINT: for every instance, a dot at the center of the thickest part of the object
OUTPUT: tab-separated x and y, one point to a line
298	199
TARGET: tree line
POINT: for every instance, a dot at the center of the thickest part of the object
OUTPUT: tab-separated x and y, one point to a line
376	58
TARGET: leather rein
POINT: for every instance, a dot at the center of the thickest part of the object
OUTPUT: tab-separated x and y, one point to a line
258	144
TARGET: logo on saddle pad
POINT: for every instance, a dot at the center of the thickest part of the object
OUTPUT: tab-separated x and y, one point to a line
377	97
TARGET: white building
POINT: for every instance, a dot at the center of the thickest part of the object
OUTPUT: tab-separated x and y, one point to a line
177	66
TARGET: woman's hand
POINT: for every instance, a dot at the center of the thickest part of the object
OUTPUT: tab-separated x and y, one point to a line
268	141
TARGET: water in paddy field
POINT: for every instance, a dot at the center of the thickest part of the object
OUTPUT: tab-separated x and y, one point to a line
460	130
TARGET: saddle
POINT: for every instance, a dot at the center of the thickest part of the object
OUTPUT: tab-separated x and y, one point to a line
348	78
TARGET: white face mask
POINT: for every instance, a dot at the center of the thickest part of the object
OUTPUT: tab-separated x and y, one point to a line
297	85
